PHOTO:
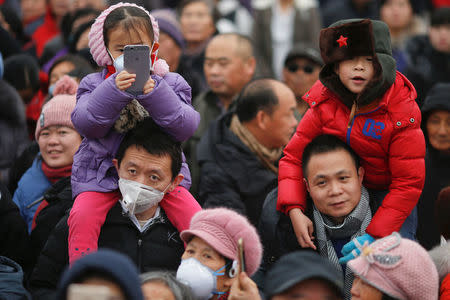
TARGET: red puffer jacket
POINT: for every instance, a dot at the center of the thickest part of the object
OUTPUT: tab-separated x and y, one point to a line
386	136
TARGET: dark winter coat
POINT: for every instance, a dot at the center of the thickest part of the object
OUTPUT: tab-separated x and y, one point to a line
345	9
231	175
13	128
437	175
159	247
59	199
426	66
13	230
207	105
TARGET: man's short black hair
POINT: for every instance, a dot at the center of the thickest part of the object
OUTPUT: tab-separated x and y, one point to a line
440	16
150	137
255	96
323	144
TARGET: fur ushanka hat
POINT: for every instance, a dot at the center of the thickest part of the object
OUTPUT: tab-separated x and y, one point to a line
346	39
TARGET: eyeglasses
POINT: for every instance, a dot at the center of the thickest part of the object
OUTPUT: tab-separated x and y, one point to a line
308	69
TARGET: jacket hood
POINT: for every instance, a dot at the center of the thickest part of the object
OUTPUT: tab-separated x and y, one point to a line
441	258
437	98
362	37
13	109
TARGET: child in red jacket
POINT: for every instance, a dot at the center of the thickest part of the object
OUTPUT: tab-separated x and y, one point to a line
361	99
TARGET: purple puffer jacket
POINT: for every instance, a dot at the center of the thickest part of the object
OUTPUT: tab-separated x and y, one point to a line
99	103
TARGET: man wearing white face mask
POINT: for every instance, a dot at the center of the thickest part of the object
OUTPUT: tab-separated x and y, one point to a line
148	163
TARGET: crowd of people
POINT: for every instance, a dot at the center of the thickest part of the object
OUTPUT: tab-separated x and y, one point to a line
277	149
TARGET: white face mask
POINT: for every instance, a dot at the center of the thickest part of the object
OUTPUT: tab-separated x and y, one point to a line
137	197
201	279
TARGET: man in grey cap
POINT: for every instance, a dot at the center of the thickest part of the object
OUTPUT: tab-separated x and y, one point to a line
301	70
297	275
304	273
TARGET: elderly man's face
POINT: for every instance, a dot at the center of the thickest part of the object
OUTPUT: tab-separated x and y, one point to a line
152	170
226	71
281	123
334	183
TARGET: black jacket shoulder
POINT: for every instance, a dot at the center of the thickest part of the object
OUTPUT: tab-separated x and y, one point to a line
159	247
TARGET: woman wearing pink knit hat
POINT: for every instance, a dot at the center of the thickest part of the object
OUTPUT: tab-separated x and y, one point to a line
105	111
394	268
58	141
210	262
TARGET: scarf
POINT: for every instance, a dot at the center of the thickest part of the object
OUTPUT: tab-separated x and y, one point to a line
266	156
354	225
55	174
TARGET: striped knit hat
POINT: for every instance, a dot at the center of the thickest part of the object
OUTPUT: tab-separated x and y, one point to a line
96	41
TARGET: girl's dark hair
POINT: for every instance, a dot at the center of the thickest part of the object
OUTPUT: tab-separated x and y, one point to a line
22	72
77	61
131	18
440	16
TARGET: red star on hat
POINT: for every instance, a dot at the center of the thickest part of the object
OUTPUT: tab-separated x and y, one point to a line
342	41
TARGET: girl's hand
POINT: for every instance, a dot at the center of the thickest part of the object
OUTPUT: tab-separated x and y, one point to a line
124	80
149	86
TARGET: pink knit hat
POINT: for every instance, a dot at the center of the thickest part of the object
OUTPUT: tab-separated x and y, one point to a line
398	267
57	110
97	43
221	228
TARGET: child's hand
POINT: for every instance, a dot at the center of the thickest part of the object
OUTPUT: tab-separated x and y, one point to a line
124	80
149	85
303	228
243	288
353	248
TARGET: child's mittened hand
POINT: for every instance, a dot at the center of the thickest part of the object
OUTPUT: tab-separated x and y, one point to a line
303	228
124	80
149	86
353	248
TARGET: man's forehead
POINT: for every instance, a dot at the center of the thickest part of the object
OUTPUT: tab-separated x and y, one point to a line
330	163
139	157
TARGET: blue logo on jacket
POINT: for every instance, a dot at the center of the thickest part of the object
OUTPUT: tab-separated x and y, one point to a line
373	129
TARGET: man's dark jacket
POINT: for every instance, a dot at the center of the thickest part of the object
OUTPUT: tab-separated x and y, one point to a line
231	175
159	247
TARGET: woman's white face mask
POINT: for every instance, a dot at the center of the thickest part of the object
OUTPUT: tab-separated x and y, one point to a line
201	279
137	197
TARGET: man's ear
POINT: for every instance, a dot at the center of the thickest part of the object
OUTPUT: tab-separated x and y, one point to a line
261	119
361	172
306	183
250	67
116	164
175	182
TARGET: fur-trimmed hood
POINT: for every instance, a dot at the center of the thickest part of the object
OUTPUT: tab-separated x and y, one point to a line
441	258
361	37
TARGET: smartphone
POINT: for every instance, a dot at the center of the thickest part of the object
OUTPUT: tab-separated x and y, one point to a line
137	61
88	292
241	255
